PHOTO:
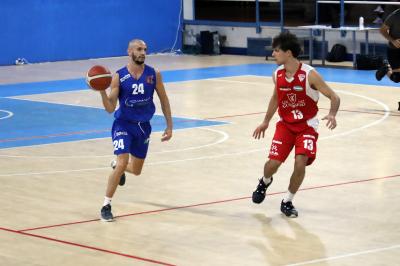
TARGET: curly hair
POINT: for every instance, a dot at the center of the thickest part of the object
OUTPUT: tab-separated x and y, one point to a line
287	41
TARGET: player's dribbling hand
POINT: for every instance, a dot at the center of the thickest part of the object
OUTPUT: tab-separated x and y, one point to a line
167	135
331	123
260	130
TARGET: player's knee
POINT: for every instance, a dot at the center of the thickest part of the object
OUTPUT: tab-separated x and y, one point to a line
395	77
273	165
137	171
121	165
300	163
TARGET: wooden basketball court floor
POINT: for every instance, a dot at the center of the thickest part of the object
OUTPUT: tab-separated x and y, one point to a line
192	205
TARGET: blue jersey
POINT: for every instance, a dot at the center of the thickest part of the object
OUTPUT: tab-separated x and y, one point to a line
136	95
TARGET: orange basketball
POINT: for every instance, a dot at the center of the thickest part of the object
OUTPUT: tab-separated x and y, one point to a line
98	78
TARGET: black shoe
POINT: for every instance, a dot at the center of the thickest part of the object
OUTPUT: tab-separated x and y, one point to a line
382	71
398	109
259	193
106	215
288	209
123	177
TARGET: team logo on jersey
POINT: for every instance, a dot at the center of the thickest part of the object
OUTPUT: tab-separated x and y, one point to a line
146	141
298	88
292	97
301	77
293	102
150	79
124	78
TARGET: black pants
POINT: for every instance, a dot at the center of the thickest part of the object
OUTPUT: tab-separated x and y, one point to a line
393	55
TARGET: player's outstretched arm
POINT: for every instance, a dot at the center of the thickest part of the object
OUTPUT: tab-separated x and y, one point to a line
110	101
317	82
165	106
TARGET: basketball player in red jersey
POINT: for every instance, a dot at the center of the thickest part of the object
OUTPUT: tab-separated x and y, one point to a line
295	96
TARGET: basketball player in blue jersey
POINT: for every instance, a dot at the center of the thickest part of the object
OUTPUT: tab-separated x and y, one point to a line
133	86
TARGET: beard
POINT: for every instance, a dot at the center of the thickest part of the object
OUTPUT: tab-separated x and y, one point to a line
138	60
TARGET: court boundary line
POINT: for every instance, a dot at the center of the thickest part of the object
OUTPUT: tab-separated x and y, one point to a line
86	247
225	136
211	203
348	255
351	131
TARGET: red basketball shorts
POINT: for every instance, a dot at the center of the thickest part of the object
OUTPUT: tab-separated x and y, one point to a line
305	143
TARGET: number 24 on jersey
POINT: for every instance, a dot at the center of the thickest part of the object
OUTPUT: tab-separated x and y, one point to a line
137	88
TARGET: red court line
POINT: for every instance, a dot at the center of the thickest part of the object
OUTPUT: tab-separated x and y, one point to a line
340	110
209	203
87	247
185	121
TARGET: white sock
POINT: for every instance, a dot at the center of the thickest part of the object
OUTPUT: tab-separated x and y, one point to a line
288	197
107	201
266	180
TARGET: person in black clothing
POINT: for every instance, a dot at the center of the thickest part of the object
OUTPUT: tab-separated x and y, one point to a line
390	29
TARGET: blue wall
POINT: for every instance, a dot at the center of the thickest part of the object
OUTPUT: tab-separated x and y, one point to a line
53	30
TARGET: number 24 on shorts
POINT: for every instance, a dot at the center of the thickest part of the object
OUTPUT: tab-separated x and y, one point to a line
118	144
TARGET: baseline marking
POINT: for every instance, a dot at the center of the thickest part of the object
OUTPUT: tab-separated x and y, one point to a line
346	255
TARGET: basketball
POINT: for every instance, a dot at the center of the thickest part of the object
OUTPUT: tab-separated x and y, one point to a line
98	78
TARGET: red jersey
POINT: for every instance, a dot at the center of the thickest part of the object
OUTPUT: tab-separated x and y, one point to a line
297	101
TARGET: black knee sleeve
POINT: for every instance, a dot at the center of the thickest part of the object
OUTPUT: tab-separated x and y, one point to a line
395	77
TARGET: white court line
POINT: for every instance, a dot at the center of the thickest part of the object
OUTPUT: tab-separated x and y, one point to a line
345	256
9	114
225	136
386	115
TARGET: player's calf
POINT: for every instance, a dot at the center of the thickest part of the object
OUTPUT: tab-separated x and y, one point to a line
123	177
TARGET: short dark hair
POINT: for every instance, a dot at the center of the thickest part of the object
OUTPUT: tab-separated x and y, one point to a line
287	41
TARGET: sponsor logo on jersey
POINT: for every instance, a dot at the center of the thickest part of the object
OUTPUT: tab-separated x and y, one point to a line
146	141
124	78
120	133
136	103
284	89
298	88
277	141
150	79
309	136
301	77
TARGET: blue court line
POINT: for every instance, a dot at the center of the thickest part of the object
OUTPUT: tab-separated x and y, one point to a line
41	123
330	74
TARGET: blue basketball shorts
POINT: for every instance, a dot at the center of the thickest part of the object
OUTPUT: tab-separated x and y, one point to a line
131	137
